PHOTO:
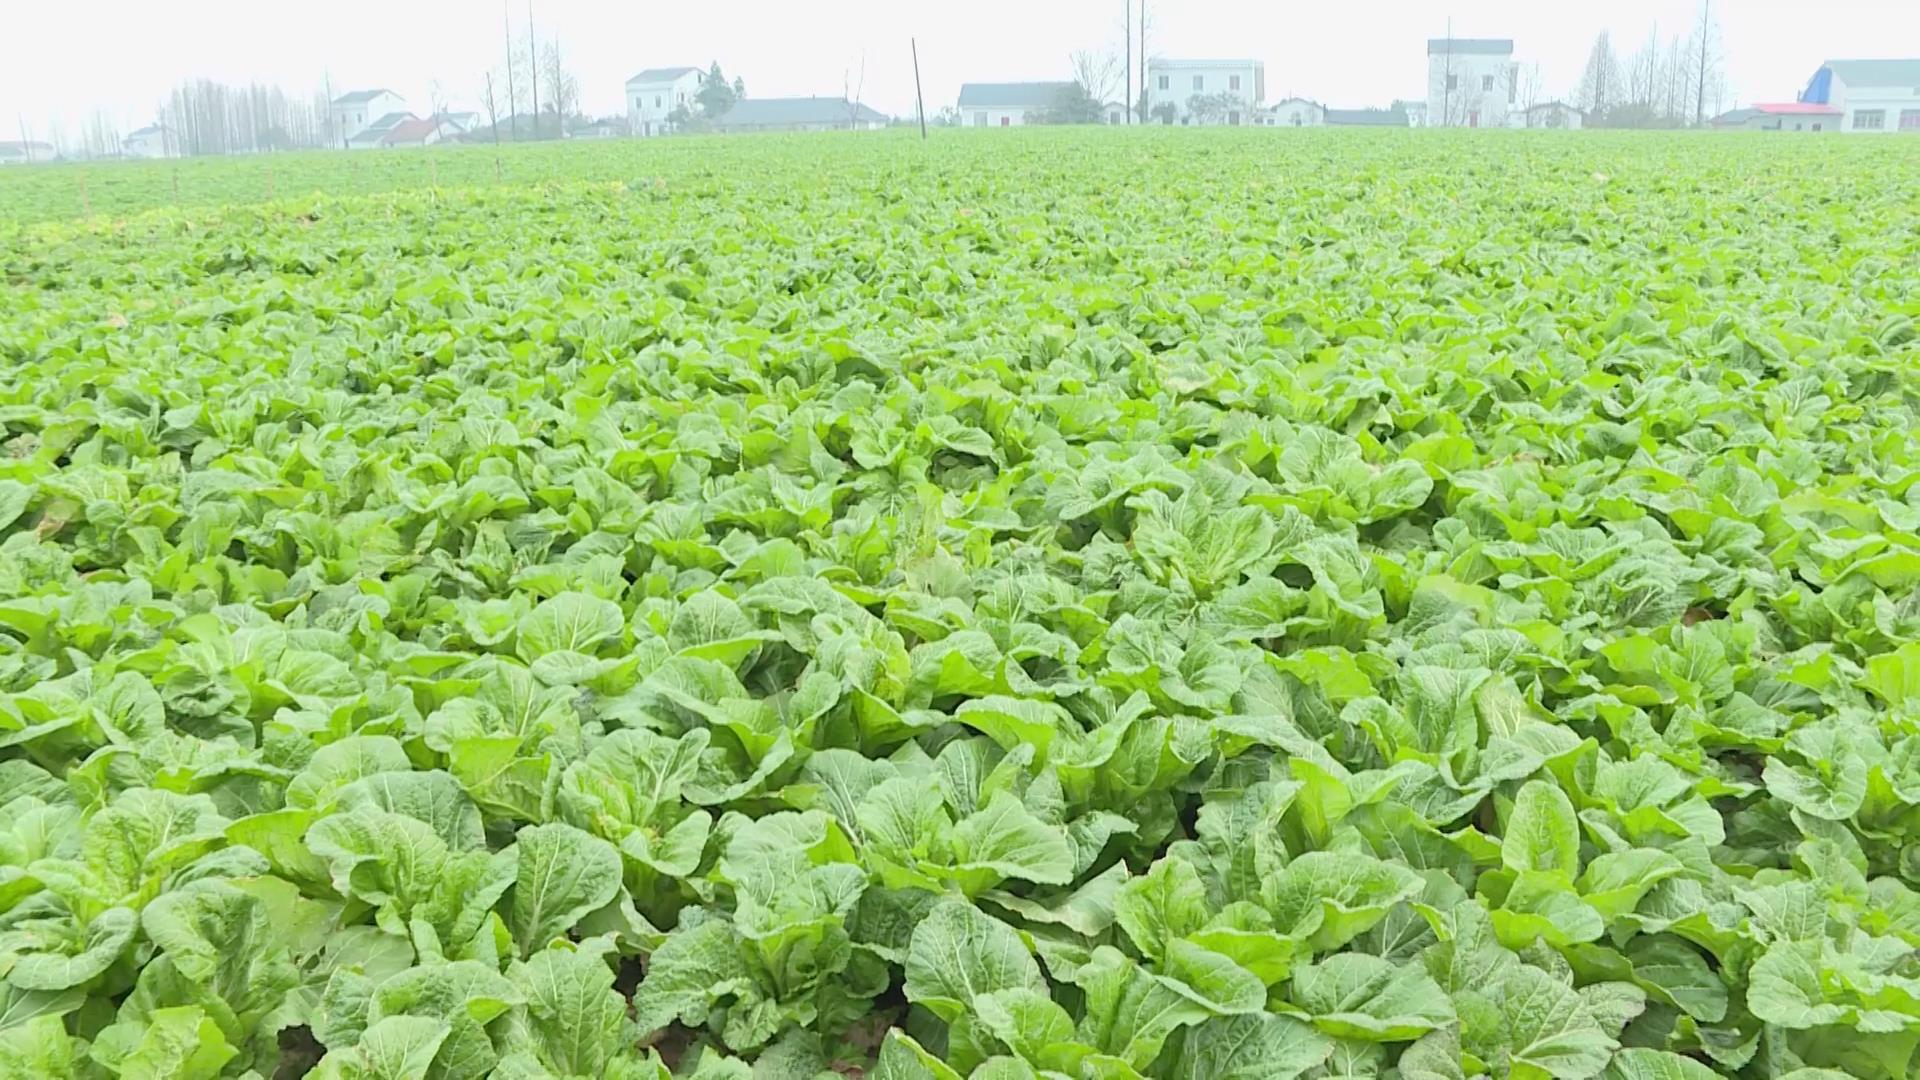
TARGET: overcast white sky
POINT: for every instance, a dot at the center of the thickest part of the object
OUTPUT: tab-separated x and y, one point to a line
61	58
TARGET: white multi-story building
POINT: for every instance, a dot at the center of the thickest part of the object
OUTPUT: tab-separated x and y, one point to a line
352	113
1205	92
1871	96
654	94
1471	82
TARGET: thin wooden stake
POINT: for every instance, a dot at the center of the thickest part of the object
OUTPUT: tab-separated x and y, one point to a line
270	190
917	97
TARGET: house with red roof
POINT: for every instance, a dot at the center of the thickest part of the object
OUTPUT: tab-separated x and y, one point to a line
1801	116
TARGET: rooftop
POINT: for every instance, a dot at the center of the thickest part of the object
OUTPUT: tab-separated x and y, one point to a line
1796	108
360	97
1168	62
1877	72
410	131
1011	95
1470	46
660	75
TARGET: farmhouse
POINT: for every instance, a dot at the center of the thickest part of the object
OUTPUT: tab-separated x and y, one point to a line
1295	112
415	132
457	123
152	141
1787	116
1205	92
25	153
1392	118
1007	104
798	114
654	94
1551	114
374	135
1471	82
1872	96
353	113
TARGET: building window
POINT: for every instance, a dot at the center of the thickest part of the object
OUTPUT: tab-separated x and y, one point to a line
1816	125
1199	83
1870	120
1486	83
1296	120
1006	121
1453	82
1910	120
658	101
980	119
1233	82
1166	82
1473	118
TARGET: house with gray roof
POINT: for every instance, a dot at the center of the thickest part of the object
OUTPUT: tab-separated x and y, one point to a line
27	152
374	135
1008	104
1471	82
1392	118
351	113
1872	96
797	114
152	141
656	94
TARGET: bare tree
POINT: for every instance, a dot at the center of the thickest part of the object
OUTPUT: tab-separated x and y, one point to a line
1097	74
850	91
533	70
1144	25
1644	72
1532	84
563	91
1600	83
1669	96
102	136
492	105
1706	69
513	96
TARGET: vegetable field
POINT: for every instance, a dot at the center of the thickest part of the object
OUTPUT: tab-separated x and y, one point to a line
1091	605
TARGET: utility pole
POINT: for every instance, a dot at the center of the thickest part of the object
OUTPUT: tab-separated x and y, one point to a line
1446	96
1126	39
919	99
513	99
26	144
1700	99
1142	101
533	68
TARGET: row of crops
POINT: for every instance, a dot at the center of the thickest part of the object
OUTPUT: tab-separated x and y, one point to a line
1190	605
